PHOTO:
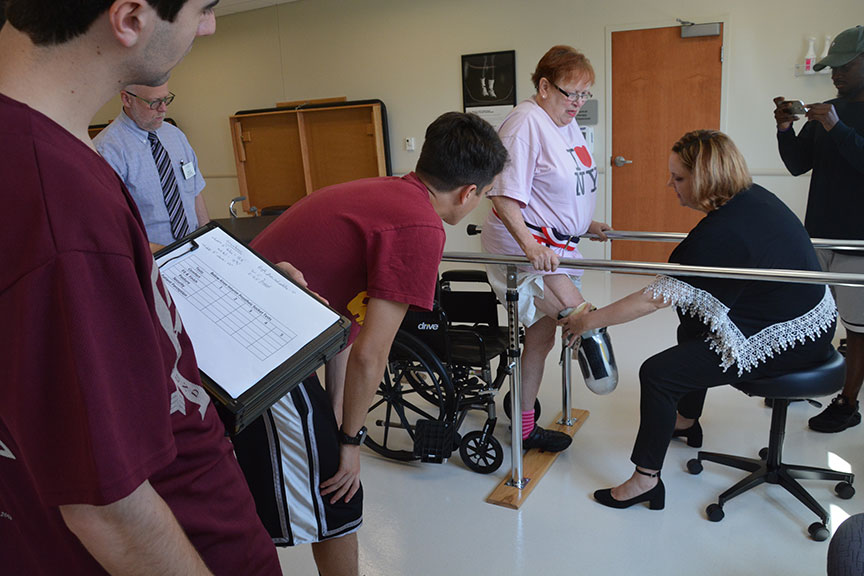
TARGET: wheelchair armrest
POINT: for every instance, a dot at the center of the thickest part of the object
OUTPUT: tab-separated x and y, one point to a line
465	276
481	343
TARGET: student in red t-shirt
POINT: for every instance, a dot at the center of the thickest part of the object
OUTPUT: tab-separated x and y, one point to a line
112	458
372	249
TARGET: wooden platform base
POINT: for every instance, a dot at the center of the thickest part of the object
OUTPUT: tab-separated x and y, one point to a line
534	466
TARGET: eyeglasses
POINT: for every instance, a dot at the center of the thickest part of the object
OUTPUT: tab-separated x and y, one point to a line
155	104
573	96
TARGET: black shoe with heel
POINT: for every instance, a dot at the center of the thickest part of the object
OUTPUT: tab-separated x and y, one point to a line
655	497
693	434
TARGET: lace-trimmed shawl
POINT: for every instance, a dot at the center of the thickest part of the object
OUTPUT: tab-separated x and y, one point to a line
725	337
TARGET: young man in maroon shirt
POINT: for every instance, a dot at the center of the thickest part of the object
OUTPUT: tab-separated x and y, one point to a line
371	248
112	458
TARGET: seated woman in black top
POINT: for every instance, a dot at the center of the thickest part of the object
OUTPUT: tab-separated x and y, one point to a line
730	330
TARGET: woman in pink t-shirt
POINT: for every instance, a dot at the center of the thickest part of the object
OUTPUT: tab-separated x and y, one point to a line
542	202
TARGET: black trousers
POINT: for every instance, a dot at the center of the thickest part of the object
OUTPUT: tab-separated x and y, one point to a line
677	379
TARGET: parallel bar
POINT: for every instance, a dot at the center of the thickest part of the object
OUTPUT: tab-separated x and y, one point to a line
833	244
646	236
629	267
837	244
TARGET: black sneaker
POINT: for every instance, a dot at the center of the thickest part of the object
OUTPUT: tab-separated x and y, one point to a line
842	347
546	440
838	416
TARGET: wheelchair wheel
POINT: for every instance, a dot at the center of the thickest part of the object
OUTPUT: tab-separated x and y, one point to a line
482	457
416	386
507	405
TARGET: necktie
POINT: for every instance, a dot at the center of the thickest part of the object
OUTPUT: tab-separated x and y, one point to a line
170	192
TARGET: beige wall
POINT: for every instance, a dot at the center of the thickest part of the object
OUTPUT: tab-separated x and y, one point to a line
407	53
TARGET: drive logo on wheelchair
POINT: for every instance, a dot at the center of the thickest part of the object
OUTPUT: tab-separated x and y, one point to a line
428	327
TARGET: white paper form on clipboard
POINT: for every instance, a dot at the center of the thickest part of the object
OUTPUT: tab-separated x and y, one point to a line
249	324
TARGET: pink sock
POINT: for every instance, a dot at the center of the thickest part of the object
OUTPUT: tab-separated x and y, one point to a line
527	423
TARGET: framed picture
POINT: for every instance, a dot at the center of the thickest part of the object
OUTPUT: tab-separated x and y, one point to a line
489	85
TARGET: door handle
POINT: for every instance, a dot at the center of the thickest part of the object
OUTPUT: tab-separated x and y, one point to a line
621	161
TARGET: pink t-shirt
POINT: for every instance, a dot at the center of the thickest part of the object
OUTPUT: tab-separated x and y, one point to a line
551	174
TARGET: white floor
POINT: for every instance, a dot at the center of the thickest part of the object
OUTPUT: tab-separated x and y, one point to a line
432	519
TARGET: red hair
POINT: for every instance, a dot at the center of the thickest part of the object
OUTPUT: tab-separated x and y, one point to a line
562	63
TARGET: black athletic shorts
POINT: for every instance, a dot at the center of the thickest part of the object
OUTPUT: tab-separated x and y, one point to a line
285	455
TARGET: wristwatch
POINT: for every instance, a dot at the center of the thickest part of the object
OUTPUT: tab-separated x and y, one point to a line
352	440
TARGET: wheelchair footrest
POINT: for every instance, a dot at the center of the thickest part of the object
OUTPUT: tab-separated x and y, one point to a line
434	440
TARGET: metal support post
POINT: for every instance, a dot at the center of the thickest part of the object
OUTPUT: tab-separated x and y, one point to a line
513	353
566	384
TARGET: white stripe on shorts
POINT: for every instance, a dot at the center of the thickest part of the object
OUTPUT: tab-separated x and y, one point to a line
296	470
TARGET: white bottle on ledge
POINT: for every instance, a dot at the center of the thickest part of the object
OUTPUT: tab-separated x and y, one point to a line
827	69
810	58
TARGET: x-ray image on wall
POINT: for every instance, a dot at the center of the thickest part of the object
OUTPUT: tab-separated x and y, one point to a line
489	84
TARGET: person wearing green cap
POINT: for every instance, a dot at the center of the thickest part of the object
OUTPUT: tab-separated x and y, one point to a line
831	144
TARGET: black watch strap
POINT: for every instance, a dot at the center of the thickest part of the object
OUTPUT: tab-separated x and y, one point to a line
352	440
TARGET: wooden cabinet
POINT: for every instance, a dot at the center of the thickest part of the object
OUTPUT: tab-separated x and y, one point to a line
283	154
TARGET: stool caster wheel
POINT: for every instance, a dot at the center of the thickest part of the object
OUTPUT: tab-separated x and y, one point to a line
763	453
694	466
507	406
715	512
845	490
818	532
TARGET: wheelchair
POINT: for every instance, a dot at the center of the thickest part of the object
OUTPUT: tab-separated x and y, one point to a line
440	369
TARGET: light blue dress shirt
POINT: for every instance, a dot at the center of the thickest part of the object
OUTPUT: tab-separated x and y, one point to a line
125	147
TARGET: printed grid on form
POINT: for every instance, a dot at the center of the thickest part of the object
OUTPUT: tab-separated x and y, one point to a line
253	328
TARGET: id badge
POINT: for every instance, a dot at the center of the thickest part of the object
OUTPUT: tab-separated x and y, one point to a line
188	170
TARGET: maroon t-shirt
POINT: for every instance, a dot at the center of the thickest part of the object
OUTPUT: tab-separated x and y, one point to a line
99	388
372	238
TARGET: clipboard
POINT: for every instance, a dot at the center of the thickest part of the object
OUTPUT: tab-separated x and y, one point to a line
257	334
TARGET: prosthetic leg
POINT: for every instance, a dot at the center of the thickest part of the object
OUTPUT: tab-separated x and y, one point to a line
593	350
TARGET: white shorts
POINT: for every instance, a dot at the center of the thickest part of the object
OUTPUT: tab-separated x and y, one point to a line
850	301
528	285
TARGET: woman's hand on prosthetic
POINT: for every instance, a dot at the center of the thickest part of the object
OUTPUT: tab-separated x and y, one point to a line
572	322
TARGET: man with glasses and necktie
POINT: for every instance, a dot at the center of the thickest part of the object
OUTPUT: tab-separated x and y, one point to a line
156	163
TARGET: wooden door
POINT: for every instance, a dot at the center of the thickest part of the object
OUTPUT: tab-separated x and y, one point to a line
662	86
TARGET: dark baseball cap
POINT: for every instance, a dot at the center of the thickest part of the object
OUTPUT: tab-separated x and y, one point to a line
845	47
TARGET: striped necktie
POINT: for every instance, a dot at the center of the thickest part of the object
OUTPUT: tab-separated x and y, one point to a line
179	225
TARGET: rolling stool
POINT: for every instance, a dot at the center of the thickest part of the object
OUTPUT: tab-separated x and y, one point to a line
820	381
